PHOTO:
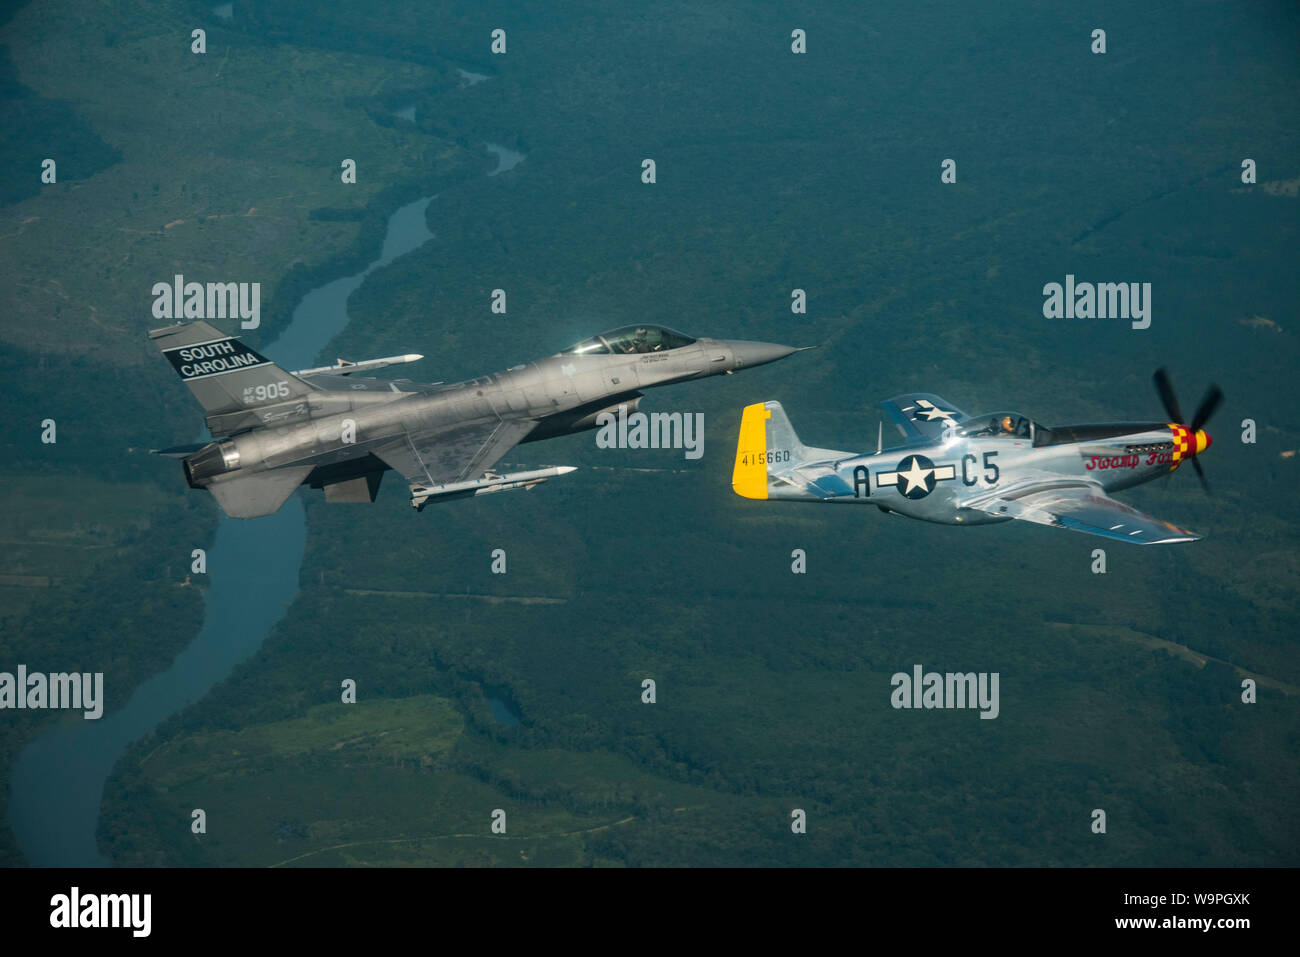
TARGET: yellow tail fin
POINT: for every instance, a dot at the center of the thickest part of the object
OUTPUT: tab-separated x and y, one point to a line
749	478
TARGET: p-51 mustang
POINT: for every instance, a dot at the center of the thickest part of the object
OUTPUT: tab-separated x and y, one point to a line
957	469
277	430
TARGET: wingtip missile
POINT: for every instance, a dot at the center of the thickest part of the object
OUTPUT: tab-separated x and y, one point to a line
347	367
491	482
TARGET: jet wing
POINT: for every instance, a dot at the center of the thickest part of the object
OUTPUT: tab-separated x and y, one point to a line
1081	507
454	455
921	416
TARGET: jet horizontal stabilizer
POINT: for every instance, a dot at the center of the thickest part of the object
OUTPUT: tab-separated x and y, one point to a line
490	482
179	451
262	493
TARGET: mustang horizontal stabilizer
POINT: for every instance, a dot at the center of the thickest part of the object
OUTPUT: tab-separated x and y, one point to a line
1085	508
922	417
237	387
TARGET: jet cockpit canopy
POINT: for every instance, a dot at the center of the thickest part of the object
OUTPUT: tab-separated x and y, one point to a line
629	340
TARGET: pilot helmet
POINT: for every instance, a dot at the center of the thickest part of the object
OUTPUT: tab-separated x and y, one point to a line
1008	425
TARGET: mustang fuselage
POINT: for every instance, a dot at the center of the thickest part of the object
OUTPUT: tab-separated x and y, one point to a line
931	482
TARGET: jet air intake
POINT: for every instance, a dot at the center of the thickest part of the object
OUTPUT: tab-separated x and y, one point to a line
582	418
592	420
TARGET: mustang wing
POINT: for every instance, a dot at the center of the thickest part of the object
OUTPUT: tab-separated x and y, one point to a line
456	455
1081	507
922	417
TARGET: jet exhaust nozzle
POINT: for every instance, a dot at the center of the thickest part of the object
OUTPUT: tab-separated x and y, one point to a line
215	458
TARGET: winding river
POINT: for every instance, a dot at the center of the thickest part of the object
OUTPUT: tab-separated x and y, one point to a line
57	782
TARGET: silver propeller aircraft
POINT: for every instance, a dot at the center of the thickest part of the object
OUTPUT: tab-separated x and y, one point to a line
276	430
958	469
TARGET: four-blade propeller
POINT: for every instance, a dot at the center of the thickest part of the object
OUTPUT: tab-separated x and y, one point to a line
1209	404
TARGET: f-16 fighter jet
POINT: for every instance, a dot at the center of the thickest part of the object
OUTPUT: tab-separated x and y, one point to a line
959	469
276	430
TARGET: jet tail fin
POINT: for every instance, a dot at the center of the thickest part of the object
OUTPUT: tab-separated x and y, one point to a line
237	387
769	454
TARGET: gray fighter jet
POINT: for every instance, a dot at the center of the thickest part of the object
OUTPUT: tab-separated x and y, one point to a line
276	430
959	469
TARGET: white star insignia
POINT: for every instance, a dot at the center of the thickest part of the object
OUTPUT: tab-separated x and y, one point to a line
915	476
932	412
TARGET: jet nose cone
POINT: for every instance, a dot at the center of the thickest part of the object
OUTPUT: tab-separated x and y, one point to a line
748	354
